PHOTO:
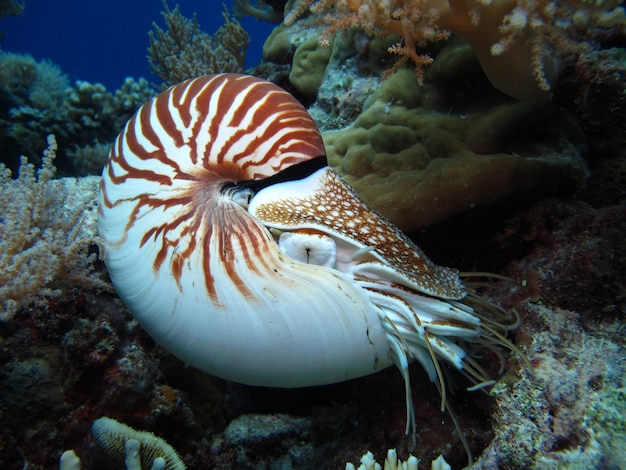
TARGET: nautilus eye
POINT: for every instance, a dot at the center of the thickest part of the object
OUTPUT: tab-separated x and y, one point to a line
242	253
310	248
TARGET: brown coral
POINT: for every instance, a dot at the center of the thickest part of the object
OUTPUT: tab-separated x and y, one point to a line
185	51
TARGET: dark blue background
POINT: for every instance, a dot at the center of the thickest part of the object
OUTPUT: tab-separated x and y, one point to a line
106	41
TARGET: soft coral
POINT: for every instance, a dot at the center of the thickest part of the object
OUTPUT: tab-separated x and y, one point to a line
508	36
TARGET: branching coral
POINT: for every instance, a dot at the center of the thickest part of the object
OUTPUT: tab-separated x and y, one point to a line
36	99
46	230
415	21
185	51
139	449
510	37
391	462
26	82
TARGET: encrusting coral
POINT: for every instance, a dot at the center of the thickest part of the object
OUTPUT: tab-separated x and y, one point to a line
185	51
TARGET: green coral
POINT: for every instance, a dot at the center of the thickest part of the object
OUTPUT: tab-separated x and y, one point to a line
309	66
417	163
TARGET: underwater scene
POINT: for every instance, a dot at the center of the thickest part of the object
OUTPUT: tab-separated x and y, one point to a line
313	234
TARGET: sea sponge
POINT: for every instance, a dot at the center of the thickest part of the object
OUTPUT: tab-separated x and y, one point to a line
417	162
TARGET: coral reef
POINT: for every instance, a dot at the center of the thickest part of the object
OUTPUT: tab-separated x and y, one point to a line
71	353
79	357
30	94
391	462
185	51
567	413
514	41
419	164
11	7
47	230
570	414
421	154
36	100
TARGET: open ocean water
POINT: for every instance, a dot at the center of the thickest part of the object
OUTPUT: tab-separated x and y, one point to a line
105	42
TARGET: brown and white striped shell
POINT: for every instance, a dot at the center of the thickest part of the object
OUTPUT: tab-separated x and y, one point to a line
251	273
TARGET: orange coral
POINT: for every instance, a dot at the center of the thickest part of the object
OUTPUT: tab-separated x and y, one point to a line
508	36
415	21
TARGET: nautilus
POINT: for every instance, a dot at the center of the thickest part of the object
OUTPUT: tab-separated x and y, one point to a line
244	254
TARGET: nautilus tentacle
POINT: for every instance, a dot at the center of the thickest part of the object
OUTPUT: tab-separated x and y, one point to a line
242	253
417	301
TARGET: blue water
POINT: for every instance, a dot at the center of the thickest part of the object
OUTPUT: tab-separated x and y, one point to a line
106	41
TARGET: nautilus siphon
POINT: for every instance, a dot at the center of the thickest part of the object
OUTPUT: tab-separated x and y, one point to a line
241	252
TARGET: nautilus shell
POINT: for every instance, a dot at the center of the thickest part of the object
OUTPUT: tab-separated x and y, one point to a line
241	252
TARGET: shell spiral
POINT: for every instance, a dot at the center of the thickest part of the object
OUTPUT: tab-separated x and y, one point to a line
202	275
